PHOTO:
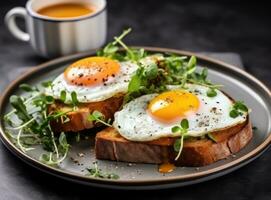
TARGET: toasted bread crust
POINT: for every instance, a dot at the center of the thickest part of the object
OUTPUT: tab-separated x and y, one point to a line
110	145
78	120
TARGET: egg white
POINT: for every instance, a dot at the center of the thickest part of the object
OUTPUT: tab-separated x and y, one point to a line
135	124
110	88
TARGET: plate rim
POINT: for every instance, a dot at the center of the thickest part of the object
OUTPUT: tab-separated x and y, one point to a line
76	177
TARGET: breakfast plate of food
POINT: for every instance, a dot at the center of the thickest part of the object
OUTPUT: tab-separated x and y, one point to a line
136	117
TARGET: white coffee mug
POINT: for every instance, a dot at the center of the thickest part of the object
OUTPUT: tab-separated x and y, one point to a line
53	37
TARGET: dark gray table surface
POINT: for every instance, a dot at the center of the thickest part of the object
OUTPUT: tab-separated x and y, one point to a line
224	26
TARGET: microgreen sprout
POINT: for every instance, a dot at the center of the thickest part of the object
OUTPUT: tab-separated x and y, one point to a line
96	116
75	101
238	109
211	92
55	159
98	173
63	96
182	131
29	124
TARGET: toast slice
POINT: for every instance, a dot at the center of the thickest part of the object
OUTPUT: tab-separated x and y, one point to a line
110	145
78	120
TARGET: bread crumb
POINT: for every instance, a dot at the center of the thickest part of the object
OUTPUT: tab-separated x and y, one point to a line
81	155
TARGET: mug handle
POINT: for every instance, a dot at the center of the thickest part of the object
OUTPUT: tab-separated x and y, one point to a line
10	20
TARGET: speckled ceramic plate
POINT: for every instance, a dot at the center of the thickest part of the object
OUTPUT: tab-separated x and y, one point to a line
237	84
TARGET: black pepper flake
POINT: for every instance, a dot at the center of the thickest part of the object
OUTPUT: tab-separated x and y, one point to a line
200	124
80	75
213	109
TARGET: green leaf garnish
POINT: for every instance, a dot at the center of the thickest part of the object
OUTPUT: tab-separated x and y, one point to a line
18	104
184	124
134	83
151	71
97	173
177	145
192	62
61	152
234	113
204	74
239	105
211	92
182	130
238	109
27	87
35	127
172	70
176	129
49	99
97	116
47	84
110	50
63	96
75	101
63	143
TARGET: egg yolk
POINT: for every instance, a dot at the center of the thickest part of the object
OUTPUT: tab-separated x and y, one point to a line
91	71
172	106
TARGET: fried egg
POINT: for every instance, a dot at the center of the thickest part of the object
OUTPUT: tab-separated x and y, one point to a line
152	116
93	79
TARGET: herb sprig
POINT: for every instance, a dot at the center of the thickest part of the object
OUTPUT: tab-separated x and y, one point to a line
29	124
61	152
96	116
170	70
238	109
182	131
111	50
98	173
154	77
